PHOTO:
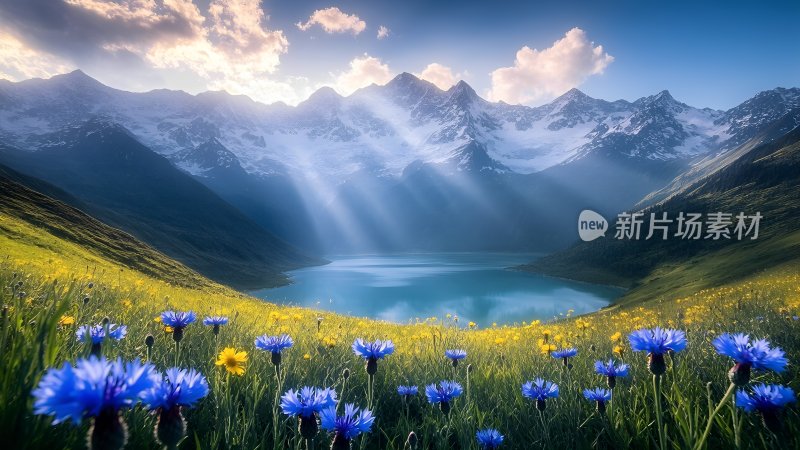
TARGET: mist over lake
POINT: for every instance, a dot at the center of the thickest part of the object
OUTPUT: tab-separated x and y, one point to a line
477	287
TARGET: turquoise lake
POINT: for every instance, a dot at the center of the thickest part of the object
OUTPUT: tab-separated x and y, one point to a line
477	287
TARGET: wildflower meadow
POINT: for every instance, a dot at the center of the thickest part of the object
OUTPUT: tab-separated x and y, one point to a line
105	361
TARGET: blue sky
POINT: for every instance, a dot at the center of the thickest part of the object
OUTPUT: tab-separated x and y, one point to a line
713	54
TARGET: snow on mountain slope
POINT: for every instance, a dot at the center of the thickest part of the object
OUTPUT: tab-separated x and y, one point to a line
383	129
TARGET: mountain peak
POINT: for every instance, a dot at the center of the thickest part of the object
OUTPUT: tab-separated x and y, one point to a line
77	78
325	94
409	81
462	92
572	95
405	77
664	95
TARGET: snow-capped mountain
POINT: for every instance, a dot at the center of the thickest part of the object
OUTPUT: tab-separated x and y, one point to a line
384	129
407	165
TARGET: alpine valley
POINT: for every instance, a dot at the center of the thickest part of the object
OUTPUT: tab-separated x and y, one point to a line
401	167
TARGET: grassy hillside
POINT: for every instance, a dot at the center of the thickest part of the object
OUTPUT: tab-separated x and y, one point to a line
28	216
47	293
765	180
126	185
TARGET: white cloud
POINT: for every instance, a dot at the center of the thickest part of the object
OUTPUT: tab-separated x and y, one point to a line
440	75
541	75
333	20
235	52
20	62
383	32
364	70
227	47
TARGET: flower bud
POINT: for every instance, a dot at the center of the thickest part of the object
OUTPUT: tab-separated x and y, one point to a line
108	432
372	365
309	427
412	441
171	427
340	442
276	358
656	364
177	334
346	374
740	374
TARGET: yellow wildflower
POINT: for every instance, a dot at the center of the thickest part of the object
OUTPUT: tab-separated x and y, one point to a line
547	348
233	361
66	320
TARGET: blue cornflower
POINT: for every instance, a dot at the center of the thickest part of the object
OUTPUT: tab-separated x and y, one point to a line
597	394
489	439
748	355
274	344
93	386
216	322
767	400
305	404
565	354
307	401
540	390
611	371
180	387
348	426
600	396
177	321
372	352
377	350
97	333
443	394
407	391
455	355
656	342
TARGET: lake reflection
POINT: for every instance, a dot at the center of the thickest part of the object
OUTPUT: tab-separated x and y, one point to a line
475	286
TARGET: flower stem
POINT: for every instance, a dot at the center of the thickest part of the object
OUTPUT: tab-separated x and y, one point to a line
728	394
662	437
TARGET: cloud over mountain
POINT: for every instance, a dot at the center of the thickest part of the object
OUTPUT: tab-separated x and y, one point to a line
541	75
334	20
363	71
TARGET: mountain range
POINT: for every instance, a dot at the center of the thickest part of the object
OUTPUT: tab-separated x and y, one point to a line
399	167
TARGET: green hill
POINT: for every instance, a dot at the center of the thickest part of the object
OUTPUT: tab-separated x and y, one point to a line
764	180
124	184
70	224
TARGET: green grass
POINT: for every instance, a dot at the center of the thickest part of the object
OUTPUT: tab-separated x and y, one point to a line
240	412
47	265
